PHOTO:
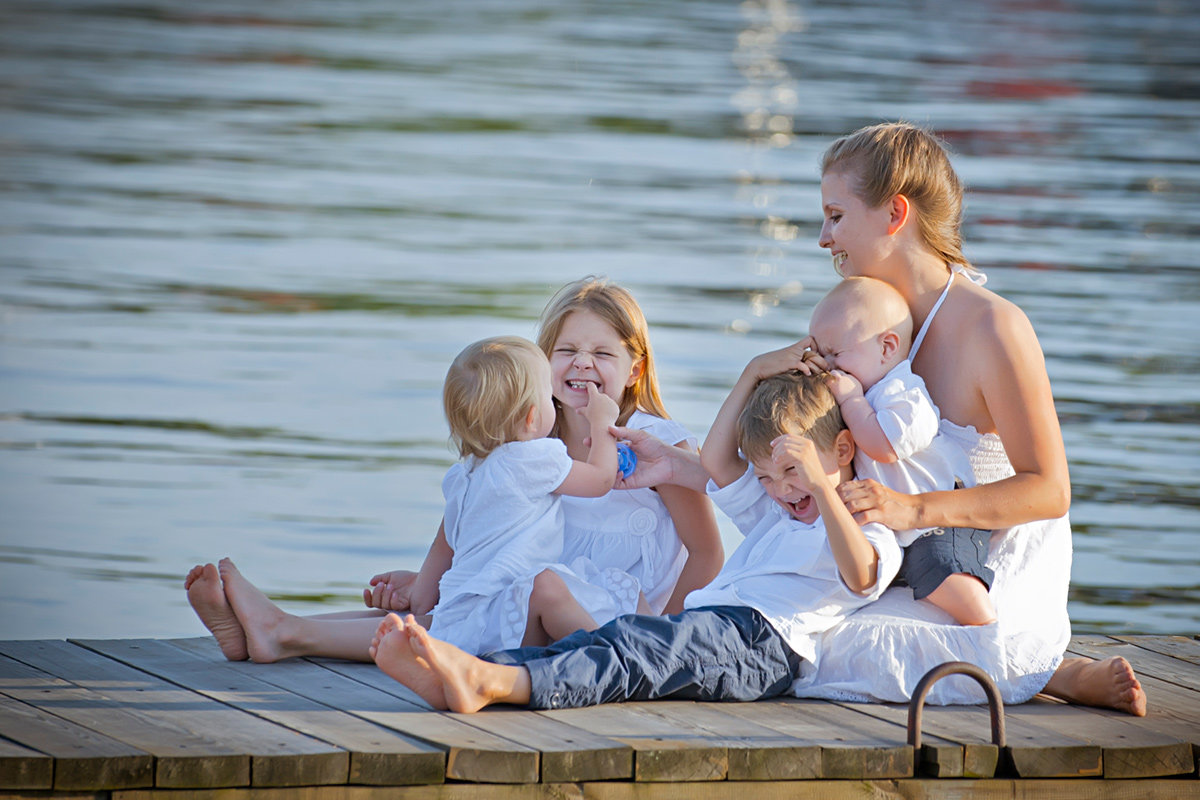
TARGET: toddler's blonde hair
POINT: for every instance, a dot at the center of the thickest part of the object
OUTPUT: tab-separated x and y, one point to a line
788	403
616	306
489	389
900	158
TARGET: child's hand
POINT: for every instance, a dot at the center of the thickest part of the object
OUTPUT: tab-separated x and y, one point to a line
601	409
390	591
799	452
843	385
798	356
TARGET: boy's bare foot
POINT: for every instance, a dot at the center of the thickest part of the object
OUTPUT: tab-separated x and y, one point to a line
1110	683
468	683
207	598
391	652
265	624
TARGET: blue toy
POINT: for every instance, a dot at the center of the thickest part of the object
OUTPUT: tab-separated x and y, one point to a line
626	459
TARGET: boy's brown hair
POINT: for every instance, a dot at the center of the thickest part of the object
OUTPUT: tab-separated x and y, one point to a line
489	390
788	403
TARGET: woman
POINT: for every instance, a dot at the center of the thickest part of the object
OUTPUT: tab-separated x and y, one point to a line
892	210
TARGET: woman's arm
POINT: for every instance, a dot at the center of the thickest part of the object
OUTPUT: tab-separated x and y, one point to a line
696	524
1007	371
659	463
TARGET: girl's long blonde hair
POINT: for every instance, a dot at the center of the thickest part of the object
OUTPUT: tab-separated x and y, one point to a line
900	158
616	306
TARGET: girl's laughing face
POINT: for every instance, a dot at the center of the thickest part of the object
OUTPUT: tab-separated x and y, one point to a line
588	350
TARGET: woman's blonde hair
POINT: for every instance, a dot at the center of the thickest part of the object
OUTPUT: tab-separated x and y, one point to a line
616	306
489	389
900	158
790	402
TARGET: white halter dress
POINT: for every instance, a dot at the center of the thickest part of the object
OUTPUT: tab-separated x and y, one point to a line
880	652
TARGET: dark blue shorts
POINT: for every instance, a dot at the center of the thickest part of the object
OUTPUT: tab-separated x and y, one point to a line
941	553
711	654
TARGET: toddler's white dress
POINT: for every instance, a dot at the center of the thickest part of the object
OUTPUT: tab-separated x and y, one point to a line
505	525
630	531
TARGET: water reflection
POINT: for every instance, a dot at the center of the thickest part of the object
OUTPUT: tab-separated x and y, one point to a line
241	244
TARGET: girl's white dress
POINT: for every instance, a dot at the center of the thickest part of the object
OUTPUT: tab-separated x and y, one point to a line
505	525
630	531
881	651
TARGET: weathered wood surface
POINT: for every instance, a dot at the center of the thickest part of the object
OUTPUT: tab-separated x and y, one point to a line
126	718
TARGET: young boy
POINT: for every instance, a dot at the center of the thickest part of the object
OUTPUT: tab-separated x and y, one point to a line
804	565
862	330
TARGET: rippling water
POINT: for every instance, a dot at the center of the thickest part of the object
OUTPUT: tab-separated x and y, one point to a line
240	242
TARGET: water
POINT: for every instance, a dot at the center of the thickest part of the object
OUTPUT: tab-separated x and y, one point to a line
240	242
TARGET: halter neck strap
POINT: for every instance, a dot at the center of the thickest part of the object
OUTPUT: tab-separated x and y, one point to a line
916	345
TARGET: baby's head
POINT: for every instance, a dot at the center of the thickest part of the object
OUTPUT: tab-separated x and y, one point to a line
802	405
497	391
862	327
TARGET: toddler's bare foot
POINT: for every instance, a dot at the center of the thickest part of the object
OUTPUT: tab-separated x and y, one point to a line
468	683
1110	683
265	624
207	598
390	650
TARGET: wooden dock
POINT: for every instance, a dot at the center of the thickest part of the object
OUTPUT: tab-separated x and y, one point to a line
143	718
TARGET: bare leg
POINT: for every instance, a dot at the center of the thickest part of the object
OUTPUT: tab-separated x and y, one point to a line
207	599
468	683
965	598
391	651
553	611
1110	683
272	634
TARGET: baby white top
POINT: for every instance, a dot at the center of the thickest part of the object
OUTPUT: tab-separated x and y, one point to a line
505	525
785	569
880	652
927	461
632	530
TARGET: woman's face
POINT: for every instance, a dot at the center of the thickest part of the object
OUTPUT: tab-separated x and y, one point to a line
856	236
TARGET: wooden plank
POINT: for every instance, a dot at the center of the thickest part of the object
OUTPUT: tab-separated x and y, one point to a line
754	752
1185	648
73	756
853	745
1144	661
359	689
377	755
661	751
181	757
195	725
911	789
955	740
22	768
569	753
1128	750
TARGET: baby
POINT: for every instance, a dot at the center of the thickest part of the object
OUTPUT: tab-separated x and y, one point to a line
863	332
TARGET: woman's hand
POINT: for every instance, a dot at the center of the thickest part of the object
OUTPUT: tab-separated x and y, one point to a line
659	462
870	501
390	591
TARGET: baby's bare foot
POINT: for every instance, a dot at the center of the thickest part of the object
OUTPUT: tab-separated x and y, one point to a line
1110	683
265	624
207	598
390	649
462	676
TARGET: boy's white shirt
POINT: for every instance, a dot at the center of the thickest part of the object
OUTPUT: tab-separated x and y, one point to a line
785	569
926	461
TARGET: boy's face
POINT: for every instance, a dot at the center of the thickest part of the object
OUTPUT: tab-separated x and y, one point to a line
786	484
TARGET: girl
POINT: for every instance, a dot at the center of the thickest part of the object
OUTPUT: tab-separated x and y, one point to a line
595	335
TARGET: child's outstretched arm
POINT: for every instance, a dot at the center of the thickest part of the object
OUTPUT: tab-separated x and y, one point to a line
859	417
719	456
857	560
595	477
